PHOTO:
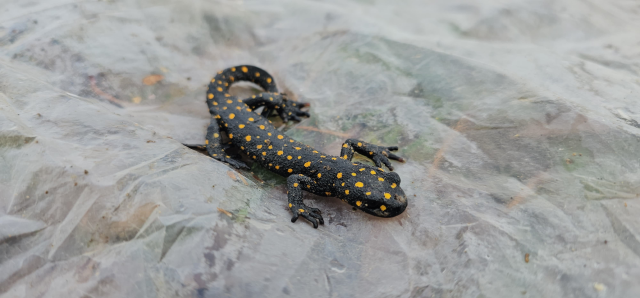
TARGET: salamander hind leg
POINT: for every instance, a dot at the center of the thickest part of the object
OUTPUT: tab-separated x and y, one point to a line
296	205
379	154
214	146
274	101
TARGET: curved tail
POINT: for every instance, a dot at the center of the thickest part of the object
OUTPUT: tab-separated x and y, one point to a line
219	86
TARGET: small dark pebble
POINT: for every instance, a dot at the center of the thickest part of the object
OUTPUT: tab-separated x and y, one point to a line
86	172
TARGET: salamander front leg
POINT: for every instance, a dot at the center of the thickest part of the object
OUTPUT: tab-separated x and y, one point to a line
296	205
379	154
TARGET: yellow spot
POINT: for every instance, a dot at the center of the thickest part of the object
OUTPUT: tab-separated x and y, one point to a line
393	185
215	155
381	170
345	145
251	119
264	153
280	137
254	157
290	205
210	95
224	108
370	152
270	147
333	158
387	195
345	156
248	138
339	175
259	146
359	144
327	193
206	142
241	125
261	126
289	170
232	115
361	169
299	157
322	156
289	157
269	133
277	167
383	208
230	136
297	148
353	174
295	185
290	141
319	175
248	110
238	108
280	152
241	147
219	82
239	100
346	191
234	69
215	103
373	172
380	179
359	184
231	77
358	203
314	151
368	193
229	101
307	164
220	89
269	80
244	69
257	74
342	183
227	95
301	210
215	135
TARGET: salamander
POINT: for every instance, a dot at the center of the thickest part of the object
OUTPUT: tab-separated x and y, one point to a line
370	189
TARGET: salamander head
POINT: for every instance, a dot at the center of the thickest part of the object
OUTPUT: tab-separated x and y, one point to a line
372	190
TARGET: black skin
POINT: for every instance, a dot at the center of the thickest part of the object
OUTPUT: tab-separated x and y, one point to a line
370	189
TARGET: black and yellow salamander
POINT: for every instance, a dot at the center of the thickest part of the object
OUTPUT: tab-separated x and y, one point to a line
370	189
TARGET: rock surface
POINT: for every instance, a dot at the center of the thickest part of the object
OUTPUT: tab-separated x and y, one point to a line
520	121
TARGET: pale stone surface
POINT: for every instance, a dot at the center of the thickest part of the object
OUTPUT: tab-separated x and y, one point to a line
519	119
